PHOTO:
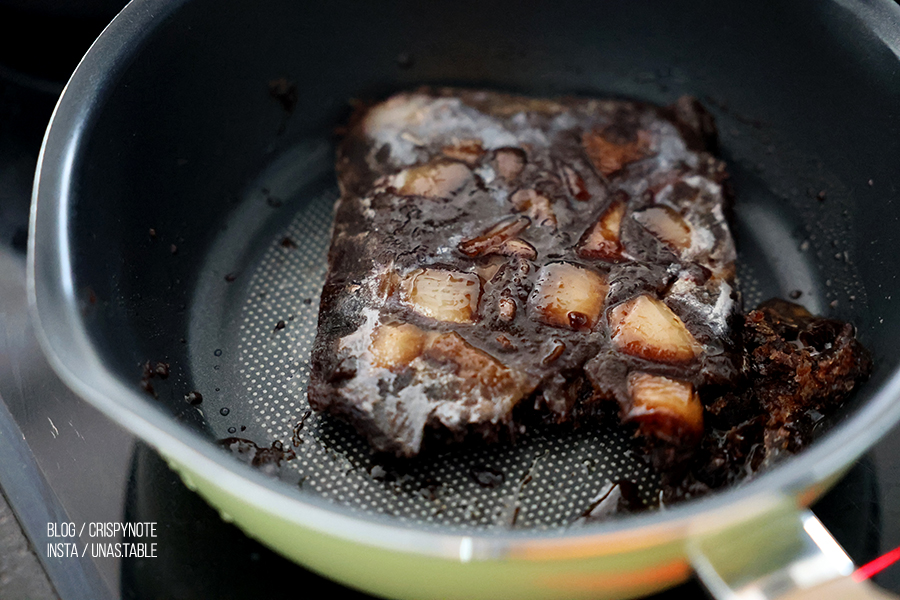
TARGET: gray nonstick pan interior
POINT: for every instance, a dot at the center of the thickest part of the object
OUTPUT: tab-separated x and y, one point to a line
204	184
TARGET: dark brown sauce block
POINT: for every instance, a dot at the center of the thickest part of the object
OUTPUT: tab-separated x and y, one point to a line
493	251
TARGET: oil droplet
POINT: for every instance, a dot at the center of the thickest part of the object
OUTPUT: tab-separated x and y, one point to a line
224	412
218	352
232	430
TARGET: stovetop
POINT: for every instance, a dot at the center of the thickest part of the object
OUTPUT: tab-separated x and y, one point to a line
63	462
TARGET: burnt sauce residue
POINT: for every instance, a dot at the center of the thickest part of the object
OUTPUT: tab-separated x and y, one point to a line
285	93
153	370
487	477
267	459
296	440
620	496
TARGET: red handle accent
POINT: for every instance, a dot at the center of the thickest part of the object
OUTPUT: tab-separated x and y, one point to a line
876	566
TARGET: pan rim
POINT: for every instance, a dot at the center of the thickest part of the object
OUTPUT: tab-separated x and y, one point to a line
64	340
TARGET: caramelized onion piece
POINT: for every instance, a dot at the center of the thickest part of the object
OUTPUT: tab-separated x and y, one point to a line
557	348
535	205
518	248
489	270
575	184
477	369
490	241
505	343
507	309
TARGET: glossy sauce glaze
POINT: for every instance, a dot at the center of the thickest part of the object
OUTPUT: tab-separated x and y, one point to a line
493	252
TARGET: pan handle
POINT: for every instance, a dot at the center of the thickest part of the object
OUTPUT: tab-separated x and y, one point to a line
787	555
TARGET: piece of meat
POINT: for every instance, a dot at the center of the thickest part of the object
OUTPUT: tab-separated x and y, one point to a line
494	251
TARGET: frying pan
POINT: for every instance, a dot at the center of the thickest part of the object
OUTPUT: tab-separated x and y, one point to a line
181	217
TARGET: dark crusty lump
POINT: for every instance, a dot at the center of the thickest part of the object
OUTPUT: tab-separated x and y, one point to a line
494	252
797	370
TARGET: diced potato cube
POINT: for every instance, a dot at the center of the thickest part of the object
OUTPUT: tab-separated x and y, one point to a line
438	179
395	346
667	408
667	225
568	296
647	328
444	295
476	368
509	163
